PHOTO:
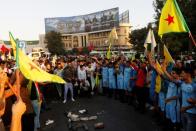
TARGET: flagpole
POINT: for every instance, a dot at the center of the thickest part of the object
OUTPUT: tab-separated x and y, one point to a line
17	70
17	56
163	43
158	51
192	38
159	47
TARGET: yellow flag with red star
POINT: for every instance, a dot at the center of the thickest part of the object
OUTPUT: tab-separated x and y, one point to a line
171	19
30	70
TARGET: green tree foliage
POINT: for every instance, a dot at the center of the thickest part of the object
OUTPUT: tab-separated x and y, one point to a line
137	38
75	51
85	50
54	43
158	5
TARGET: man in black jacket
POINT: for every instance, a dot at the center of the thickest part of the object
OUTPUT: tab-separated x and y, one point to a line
68	75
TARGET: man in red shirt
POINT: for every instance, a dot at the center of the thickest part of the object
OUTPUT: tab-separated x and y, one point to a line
140	87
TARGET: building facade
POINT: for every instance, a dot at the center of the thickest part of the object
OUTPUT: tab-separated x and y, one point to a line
91	30
97	39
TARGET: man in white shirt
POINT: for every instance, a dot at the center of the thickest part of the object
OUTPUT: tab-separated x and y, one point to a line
81	73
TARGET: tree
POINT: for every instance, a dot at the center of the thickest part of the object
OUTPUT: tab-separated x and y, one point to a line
54	43
75	51
137	38
85	50
158	5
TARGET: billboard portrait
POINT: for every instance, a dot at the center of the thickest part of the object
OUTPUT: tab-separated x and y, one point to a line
124	17
102	20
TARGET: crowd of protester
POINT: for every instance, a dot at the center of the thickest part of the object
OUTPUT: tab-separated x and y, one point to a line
170	93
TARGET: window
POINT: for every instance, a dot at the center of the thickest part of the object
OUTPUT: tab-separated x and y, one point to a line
125	31
100	43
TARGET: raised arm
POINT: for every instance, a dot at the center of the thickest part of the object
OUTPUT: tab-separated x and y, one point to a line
154	64
150	59
164	67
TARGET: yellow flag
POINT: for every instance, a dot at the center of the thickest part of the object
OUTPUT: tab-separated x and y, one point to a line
158	66
158	78
167	55
108	55
158	84
112	36
30	70
171	19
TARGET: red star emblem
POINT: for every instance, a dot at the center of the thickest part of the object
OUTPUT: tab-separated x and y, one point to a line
170	19
33	67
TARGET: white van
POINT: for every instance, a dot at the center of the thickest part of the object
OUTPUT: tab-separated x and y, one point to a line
99	53
35	55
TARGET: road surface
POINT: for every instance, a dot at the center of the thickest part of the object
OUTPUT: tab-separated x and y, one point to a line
115	115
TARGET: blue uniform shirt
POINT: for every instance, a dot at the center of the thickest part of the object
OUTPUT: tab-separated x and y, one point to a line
105	76
120	77
133	74
152	84
188	91
171	107
172	90
127	76
112	79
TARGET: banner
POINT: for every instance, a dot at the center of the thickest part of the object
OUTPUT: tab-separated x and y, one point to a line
124	17
102	20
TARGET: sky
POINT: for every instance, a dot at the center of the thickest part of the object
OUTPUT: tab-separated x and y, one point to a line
25	18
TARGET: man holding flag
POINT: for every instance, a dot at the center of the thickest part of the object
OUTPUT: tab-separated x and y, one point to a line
29	69
32	72
172	20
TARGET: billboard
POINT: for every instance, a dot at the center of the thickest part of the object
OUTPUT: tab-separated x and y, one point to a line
102	20
124	17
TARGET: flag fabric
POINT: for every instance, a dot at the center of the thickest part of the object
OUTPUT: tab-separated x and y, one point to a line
112	36
158	78
167	55
158	67
109	54
90	47
150	40
30	70
3	48
38	92
158	84
171	19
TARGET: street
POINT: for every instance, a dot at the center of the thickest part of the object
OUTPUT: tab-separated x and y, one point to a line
115	115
